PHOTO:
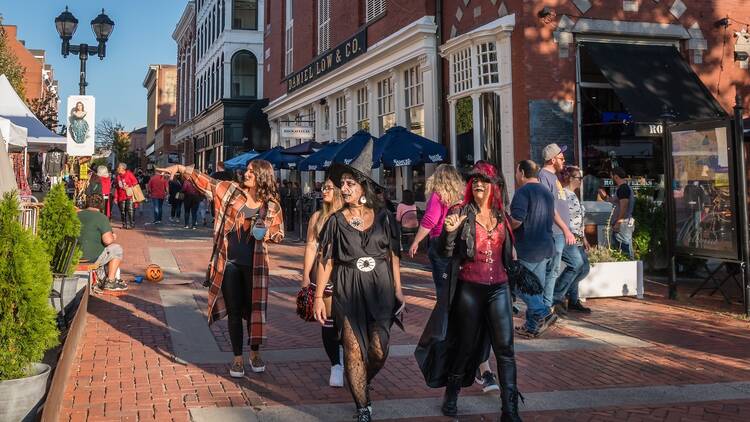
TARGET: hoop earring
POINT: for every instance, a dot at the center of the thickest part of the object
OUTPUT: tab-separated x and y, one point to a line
362	200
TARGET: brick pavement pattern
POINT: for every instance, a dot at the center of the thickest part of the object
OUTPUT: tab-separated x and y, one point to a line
125	369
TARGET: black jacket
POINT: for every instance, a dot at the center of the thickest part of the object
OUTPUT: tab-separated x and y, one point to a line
435	351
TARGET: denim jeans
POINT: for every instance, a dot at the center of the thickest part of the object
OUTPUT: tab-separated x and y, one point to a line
576	269
536	310
158	205
439	265
623	239
553	269
191	210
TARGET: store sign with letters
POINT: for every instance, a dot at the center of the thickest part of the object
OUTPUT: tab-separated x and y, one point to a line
343	53
298	132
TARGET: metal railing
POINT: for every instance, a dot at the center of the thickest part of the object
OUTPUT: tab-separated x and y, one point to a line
30	209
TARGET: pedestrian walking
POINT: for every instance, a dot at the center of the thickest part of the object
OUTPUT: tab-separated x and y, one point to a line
477	237
158	189
332	202
574	256
191	202
360	249
622	222
175	198
532	216
249	216
125	181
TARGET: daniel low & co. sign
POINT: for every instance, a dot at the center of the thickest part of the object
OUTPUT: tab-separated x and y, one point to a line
329	61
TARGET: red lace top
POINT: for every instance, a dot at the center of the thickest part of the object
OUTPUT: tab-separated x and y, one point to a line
487	266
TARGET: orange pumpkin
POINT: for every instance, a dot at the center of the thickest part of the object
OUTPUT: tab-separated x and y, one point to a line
154	273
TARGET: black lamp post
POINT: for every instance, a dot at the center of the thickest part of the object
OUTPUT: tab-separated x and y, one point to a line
102	26
665	119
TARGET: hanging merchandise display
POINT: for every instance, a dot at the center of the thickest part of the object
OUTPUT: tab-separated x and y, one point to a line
53	163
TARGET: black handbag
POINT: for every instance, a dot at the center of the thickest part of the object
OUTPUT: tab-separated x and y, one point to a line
522	279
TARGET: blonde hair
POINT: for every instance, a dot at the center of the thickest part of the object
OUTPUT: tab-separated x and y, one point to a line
329	209
446	182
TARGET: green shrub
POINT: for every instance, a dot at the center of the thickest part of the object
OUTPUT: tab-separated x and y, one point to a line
27	320
604	254
57	220
649	236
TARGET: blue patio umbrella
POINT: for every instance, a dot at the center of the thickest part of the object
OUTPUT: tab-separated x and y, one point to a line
278	159
322	159
305	148
352	147
240	162
401	147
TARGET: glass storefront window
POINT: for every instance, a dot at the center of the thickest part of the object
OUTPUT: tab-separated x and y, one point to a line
702	190
464	134
418	182
386	111
487	60
363	122
414	99
415	120
389	179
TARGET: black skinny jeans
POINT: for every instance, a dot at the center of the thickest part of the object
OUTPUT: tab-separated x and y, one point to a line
476	304
237	288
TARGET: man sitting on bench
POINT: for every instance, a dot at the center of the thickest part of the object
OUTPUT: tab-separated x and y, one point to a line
98	244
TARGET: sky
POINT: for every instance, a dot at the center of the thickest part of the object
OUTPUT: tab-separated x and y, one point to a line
142	36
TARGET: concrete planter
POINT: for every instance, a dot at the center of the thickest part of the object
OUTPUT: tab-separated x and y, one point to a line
21	398
613	279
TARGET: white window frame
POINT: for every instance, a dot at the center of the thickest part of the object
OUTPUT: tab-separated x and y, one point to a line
386	106
461	72
289	39
363	119
373	9
414	94
324	26
488	69
341	116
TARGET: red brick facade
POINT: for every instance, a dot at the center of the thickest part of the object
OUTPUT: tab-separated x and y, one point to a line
33	79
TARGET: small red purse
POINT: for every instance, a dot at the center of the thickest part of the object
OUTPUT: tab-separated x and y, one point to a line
305	301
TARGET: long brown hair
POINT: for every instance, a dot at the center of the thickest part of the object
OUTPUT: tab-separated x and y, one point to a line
265	181
329	209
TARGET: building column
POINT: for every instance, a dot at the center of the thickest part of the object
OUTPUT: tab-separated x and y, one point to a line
430	99
318	126
351	115
452	132
372	115
275	139
398	97
507	150
476	118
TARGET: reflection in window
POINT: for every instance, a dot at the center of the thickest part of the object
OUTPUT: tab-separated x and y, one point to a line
464	134
244	75
414	99
341	117
386	111
245	14
363	122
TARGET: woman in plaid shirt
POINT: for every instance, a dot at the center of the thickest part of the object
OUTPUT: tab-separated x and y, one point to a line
248	216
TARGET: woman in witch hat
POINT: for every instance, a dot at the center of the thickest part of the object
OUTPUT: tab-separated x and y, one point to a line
360	246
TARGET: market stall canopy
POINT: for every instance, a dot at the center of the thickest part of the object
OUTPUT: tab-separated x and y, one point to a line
404	148
304	148
352	147
278	159
322	159
652	79
14	109
7	178
13	134
240	162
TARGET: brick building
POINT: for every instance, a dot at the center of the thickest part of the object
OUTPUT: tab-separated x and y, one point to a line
515	75
161	106
39	77
138	147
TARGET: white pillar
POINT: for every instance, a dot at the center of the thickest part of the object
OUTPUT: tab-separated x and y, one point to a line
429	92
372	107
476	118
318	116
351	116
452	131
275	139
398	96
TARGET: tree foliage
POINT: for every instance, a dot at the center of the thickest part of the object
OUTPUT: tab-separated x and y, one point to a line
45	109
27	321
57	220
111	134
10	66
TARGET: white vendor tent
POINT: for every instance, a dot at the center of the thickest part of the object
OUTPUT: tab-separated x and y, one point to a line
12	107
14	135
7	178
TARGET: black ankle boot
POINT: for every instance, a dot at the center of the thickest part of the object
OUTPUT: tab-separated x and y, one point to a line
450	399
363	415
509	396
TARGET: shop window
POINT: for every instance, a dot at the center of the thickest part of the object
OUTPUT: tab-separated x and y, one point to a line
363	122
373	9
244	74
386	110
389	177
464	134
245	14
487	61
414	100
341	117
462	70
418	182
324	25
489	104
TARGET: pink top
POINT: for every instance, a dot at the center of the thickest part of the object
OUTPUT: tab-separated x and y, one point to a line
434	215
487	266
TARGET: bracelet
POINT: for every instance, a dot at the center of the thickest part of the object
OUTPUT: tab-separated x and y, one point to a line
318	297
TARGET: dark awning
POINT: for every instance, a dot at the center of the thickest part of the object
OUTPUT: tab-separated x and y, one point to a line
647	78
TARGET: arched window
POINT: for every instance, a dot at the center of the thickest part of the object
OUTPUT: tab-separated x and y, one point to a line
244	75
245	14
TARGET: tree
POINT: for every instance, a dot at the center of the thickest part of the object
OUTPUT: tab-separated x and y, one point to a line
58	220
10	66
45	109
111	134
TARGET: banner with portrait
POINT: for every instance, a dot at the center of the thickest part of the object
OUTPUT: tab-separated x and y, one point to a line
80	118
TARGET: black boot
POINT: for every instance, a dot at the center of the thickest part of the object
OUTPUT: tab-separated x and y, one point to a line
450	399
363	415
509	396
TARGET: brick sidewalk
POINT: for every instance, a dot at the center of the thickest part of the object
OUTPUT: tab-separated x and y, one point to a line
125	369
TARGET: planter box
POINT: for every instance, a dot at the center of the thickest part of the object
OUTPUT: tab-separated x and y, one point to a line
613	279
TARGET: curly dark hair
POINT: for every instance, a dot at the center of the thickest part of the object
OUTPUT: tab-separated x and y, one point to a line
265	180
95	201
369	190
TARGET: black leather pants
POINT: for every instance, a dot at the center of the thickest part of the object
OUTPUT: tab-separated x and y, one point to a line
476	304
126	212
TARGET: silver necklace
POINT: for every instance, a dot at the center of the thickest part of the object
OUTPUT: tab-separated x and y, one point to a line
355	221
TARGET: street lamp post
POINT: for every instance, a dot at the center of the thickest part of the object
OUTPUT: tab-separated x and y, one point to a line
102	26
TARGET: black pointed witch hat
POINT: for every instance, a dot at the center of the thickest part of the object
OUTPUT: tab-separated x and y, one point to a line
360	167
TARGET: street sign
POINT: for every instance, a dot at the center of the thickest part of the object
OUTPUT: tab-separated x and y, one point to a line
298	132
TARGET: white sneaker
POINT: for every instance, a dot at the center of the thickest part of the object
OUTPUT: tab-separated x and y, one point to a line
337	376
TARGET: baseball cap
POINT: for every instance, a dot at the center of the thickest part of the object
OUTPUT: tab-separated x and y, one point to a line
552	150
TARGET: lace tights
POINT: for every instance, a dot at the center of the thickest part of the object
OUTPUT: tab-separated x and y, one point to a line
358	372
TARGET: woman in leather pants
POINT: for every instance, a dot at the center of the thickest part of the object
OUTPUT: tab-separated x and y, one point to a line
477	236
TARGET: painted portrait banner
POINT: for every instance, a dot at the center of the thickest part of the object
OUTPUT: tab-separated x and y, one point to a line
80	120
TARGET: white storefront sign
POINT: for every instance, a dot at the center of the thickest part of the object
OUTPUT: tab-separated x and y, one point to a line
298	132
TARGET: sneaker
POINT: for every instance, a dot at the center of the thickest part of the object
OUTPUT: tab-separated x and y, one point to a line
337	376
110	285
487	380
97	289
194	227
120	285
257	364
523	331
546	323
559	309
186	227
237	370
578	307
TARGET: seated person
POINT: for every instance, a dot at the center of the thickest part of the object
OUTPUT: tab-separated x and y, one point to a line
406	205
98	245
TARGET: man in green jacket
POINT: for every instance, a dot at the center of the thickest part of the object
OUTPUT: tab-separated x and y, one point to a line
98	244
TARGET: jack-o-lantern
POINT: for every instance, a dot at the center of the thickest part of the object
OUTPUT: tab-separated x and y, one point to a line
154	273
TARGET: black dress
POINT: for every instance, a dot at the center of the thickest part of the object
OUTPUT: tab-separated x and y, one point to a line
364	291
